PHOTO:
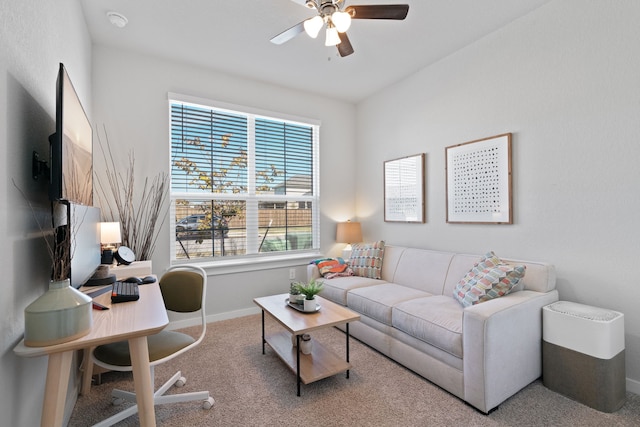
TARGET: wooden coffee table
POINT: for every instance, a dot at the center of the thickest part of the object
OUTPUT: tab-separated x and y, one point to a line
321	363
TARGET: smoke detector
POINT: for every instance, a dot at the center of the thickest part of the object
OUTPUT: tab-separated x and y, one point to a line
117	19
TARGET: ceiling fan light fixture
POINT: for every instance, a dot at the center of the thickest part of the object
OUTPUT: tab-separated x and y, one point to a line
332	36
342	20
313	25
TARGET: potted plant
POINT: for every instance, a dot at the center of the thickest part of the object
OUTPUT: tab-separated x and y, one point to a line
309	290
295	297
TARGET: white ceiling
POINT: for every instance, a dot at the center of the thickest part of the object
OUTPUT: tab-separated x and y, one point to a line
233	36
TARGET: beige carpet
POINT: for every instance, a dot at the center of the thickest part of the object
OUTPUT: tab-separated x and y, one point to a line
252	389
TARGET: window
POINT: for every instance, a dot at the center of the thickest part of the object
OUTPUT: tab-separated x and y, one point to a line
243	184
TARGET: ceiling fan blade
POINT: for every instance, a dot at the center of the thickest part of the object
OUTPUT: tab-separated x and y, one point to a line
378	11
344	47
287	35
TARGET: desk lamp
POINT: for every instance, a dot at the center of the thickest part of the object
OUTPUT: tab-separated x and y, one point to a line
109	237
348	232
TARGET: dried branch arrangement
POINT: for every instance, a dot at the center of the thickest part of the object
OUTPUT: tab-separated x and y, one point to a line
61	253
141	211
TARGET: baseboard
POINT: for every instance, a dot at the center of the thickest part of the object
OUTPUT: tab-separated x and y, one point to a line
179	324
633	386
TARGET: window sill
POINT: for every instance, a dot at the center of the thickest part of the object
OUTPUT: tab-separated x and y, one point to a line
241	265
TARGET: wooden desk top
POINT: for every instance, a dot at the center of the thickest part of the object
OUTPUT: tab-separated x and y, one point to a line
330	314
122	321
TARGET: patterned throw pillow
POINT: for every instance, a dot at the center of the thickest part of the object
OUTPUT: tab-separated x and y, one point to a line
488	279
331	265
366	259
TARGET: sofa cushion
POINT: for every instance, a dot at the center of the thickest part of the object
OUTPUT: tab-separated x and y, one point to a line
336	289
436	320
423	269
489	278
366	259
378	300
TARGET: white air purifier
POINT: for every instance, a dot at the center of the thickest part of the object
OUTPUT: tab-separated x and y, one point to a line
583	354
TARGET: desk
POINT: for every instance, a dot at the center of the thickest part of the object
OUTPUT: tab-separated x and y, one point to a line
132	321
136	268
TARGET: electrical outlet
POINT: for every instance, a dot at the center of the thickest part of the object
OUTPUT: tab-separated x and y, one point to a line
292	273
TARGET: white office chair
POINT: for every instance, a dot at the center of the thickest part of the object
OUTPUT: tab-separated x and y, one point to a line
184	289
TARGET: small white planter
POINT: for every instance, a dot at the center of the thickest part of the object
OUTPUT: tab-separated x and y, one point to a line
310	305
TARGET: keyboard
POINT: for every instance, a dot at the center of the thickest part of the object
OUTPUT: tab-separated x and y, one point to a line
124	291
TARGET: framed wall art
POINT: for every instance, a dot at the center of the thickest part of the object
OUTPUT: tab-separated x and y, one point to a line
404	189
479	181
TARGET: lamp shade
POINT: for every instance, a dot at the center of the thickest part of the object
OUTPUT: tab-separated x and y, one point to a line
349	232
342	21
312	26
110	233
332	37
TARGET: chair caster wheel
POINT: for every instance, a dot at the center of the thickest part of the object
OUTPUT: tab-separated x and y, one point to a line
208	404
181	382
115	401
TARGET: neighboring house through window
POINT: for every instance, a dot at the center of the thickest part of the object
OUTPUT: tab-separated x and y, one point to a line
244	183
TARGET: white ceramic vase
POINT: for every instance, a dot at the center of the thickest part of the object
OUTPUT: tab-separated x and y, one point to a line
61	314
310	305
305	344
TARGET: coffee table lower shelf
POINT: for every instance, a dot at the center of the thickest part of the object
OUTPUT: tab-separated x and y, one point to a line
321	363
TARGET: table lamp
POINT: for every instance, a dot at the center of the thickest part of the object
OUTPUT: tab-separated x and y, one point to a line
348	232
109	237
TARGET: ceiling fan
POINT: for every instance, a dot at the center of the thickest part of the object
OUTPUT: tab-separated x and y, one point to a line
337	19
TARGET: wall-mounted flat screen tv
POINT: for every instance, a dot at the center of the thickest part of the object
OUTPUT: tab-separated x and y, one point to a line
71	147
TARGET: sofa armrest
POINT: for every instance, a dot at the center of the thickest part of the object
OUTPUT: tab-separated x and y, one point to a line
502	346
312	272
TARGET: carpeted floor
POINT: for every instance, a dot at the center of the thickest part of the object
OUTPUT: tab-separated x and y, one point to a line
252	389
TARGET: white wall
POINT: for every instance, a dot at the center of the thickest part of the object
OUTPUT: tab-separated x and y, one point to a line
564	81
130	101
35	37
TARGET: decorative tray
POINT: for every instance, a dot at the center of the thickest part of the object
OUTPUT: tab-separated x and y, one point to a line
300	307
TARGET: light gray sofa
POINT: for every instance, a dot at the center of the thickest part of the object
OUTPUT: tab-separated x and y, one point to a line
482	354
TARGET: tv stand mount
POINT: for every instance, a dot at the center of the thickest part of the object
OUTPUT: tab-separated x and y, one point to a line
38	167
